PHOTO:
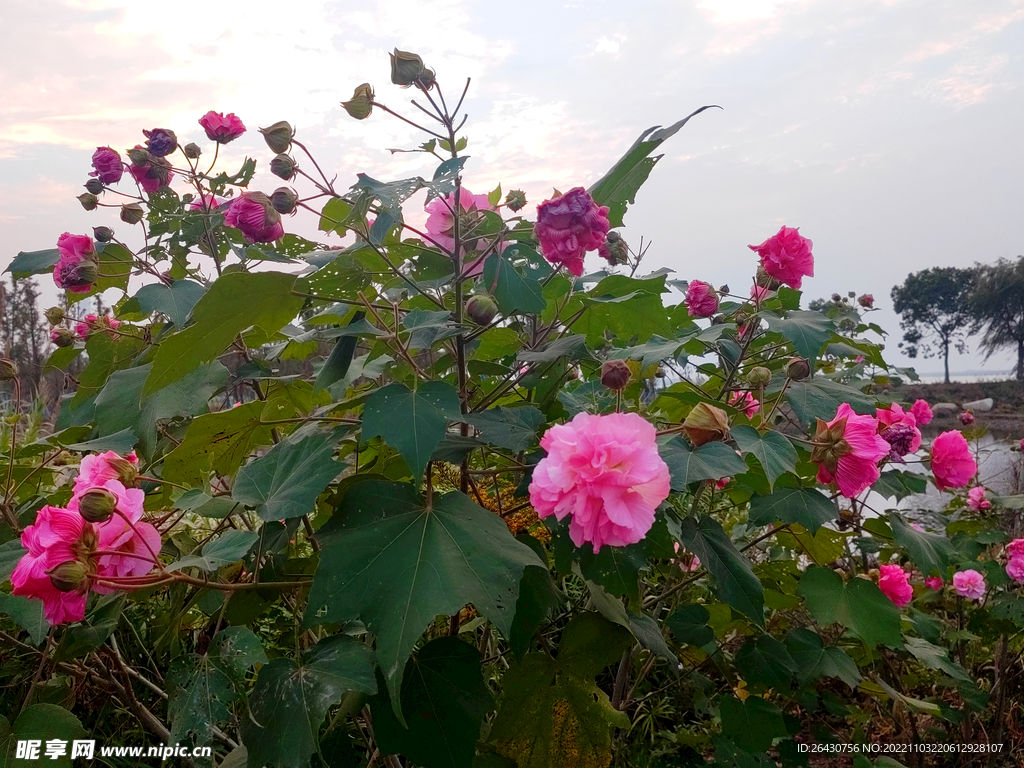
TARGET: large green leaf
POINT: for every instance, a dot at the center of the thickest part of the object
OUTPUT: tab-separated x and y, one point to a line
820	398
808	330
413	423
27	614
514	429
229	547
40	723
807	507
444	699
711	461
643	627
553	715
513	292
766	661
218	441
236	301
751	724
772	449
814	660
336	365
10	553
858	605
654	349
898	485
285	482
734	579
630	308
932	553
394	564
288	702
106	354
175	300
619	186
28	263
574	347
935	657
689	625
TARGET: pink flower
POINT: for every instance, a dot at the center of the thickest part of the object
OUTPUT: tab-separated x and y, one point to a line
786	256
570	225
967	418
977	500
899	430
746	402
441	224
969	584
91	324
151	177
701	299
952	462
97	468
1015	569
847	451
934	582
760	294
78	266
922	411
895	584
722	482
253	215
1015	548
220	127
107	165
606	473
687	560
206	203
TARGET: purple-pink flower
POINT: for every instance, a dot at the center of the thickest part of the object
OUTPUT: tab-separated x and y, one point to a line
151	178
78	266
570	225
701	299
899	429
220	127
895	584
441	224
969	584
786	256
605	472
107	165
760	293
922	411
255	217
206	202
847	450
952	462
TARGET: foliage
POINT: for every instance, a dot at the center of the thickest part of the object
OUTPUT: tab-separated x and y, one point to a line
997	307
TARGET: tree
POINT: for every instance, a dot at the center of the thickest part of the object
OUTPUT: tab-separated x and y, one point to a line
934	310
997	308
23	332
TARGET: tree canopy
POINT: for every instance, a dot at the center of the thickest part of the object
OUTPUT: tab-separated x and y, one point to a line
996	304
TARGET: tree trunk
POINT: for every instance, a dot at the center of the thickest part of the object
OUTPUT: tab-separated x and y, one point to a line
945	358
1020	360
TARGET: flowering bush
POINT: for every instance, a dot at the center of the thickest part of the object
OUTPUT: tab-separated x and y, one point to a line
425	486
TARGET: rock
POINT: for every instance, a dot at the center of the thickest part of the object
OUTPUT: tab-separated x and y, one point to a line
945	409
980	406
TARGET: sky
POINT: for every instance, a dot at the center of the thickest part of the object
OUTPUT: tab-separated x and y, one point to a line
888	131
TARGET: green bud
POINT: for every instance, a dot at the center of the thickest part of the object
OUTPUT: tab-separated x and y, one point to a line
96	505
88	272
69	576
615	249
361	104
278	136
406	68
103	234
284	200
139	156
8	369
798	368
62	337
54	315
95	186
131	213
759	376
481	309
283	166
515	200
88	201
192	150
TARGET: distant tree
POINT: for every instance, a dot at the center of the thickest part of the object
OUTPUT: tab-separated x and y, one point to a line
935	312
24	331
997	308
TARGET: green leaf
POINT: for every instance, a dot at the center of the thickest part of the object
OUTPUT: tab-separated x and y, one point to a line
235	302
630	308
641	626
655	349
820	398
218	441
335	212
825	546
734	579
396	565
200	695
413	423
752	724
229	547
917	705
115	266
858	605
513	292
766	661
27	614
175	300
814	660
935	657
285	482
689	624
289	701
496	343
553	715
514	429
445	700
808	330
574	347
932	553
105	355
772	449
898	485
121	441
10	553
336	365
711	461
40	723
28	263
806	507
619	186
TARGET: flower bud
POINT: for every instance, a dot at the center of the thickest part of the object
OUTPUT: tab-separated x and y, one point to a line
967	418
283	167
95	186
515	200
866	300
131	213
139	156
278	136
614	249
723	289
161	141
706	423
615	374
284	199
798	368
96	505
54	315
361	104
406	68
759	376
86	273
69	576
127	472
8	369
765	280
836	298
192	150
481	309
62	337
88	201
103	234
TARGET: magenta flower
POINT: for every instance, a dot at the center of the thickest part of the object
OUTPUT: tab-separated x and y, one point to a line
847	451
151	178
786	256
220	127
745	402
922	411
1015	569
899	430
977	500
895	584
570	225
935	583
701	299
687	561
952	462
206	203
441	224
969	584
760	294
107	165
78	266
255	217
91	324
606	473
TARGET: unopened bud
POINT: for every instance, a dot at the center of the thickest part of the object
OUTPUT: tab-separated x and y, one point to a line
54	315
283	167
967	418
615	374
765	280
86	273
852	294
284	200
759	376
361	104
127	472
614	249
139	156
96	505
866	300
836	298
798	368
705	424
481	309
103	234
88	201
62	337
723	289
69	576
161	141
406	68
515	200
192	150
131	213
8	369
95	186
278	136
